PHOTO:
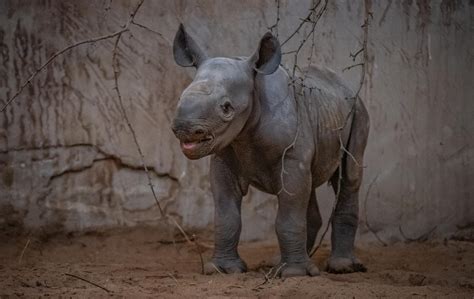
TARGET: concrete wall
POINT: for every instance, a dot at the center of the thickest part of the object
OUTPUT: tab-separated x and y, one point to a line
68	161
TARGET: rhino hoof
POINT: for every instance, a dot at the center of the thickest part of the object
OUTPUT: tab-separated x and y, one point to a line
225	266
341	265
303	269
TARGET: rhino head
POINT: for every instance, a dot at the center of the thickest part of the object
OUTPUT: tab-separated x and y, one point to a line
216	106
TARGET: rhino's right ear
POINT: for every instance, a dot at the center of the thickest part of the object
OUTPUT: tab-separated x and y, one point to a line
186	52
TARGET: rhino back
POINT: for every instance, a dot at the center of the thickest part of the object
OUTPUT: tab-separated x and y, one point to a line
328	101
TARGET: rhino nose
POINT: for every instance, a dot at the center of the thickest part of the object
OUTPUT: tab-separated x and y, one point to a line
198	132
185	129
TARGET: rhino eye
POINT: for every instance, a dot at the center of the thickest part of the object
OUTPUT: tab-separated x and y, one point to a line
227	109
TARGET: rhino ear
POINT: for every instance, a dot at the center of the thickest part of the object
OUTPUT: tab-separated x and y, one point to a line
186	52
268	55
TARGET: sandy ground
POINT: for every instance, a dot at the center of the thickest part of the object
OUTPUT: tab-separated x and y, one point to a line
138	263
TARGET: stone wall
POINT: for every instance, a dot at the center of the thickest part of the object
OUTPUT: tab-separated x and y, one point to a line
68	161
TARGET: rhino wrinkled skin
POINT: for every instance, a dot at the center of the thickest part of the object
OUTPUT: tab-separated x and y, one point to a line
245	112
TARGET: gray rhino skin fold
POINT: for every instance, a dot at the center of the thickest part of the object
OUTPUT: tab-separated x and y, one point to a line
245	112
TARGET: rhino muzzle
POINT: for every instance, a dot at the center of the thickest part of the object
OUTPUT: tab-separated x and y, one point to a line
195	140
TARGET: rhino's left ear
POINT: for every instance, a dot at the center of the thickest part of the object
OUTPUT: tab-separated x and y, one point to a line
268	55
186	51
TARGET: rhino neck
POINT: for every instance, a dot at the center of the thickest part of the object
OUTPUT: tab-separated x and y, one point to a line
253	118
272	123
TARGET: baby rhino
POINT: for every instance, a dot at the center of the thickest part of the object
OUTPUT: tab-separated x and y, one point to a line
282	138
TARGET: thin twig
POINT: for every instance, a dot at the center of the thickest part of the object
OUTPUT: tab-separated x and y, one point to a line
275	26
283	171
311	50
288	52
151	30
304	21
88	281
116	68
147	28
217	269
185	235
198	248
305	39
277	271
174	278
333	211
270	275
365	52
23	251
344	149
367	224
353	56
352	66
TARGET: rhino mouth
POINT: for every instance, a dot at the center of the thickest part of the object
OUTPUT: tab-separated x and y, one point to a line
197	148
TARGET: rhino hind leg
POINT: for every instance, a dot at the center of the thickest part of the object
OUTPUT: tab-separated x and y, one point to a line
344	227
346	214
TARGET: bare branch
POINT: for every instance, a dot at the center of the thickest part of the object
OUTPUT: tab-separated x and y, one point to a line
297	30
23	251
54	56
353	56
185	235
369	227
352	66
288	52
116	67
342	148
217	269
365	26
172	277
271	275
88	281
198	248
151	30
275	26
283	171
311	33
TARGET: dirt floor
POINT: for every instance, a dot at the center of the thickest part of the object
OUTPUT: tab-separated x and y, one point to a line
137	263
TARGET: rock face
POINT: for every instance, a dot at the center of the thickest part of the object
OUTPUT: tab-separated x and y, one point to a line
68	161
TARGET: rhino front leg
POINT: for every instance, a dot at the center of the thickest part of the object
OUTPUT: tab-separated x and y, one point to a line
291	225
227	220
